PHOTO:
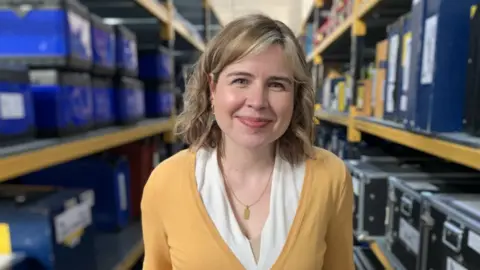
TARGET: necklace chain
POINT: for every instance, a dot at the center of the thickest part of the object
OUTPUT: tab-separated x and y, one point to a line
246	211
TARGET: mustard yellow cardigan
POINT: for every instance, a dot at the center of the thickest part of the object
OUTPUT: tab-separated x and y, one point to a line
179	234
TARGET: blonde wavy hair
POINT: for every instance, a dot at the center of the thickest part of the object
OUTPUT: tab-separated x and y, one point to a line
242	37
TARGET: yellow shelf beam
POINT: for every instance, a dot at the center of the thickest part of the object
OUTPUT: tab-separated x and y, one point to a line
380	256
24	163
457	153
161	12
365	7
336	118
132	258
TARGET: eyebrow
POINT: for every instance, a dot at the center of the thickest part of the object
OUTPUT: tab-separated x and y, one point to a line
272	78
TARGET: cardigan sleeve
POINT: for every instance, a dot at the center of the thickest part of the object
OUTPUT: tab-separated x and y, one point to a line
339	238
157	254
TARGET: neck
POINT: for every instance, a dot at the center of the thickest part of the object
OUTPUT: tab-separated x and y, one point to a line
244	161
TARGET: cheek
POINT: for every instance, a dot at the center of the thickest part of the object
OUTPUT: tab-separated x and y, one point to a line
227	102
283	107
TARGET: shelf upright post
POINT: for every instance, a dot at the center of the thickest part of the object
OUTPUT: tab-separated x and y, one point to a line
317	58
169	36
359	30
207	21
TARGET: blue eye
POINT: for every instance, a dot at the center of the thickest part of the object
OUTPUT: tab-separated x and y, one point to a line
277	85
240	81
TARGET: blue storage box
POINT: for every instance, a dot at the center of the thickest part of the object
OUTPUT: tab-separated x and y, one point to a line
107	175
129	100
103	101
393	81
103	46
45	34
155	65
63	102
437	89
51	226
404	71
159	100
14	261
126	55
17	119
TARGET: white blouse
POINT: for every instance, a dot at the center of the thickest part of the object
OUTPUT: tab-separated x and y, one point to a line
287	183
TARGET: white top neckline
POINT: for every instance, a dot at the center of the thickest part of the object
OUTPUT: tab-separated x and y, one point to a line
287	183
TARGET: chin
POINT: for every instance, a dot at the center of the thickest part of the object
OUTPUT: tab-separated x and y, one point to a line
252	141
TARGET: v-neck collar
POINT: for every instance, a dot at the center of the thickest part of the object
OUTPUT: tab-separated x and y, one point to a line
292	232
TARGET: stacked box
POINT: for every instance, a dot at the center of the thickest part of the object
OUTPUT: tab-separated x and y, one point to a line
17	118
63	102
444	33
51	226
60	37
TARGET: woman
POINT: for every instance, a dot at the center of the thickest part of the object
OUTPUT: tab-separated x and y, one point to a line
252	192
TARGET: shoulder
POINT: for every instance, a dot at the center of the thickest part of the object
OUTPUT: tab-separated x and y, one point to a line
327	162
171	174
328	169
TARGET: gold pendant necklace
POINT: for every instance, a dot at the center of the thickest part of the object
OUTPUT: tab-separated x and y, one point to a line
246	211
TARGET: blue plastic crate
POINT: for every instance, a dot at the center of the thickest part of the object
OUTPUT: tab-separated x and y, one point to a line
107	175
63	102
126	54
129	100
17	119
103	101
51	226
155	65
440	35
159	100
103	46
46	34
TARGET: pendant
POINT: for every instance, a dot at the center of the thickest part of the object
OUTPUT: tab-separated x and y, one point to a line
246	213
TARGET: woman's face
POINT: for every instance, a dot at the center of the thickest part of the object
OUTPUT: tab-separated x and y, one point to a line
253	98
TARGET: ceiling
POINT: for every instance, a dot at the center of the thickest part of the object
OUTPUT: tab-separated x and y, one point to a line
147	27
291	12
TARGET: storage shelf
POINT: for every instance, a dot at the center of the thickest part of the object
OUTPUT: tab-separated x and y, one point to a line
161	12
460	149
330	39
28	157
363	9
333	117
120	251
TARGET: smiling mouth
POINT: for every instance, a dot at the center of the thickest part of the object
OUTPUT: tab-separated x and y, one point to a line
254	122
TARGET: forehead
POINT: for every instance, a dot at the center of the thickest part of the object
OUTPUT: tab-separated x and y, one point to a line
270	61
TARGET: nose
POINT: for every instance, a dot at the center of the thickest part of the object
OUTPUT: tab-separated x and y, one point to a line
257	97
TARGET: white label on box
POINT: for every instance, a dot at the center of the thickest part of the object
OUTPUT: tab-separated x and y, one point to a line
356	186
474	241
429	45
422	186
409	236
403	103
122	191
71	221
88	197
453	265
6	261
406	60
12	106
81	26
393	44
390	102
